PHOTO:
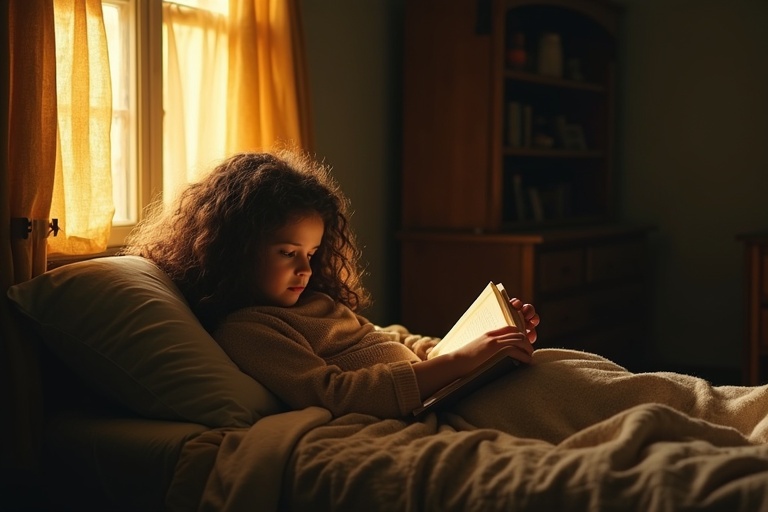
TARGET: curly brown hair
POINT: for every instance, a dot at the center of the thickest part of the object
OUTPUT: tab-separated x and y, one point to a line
210	237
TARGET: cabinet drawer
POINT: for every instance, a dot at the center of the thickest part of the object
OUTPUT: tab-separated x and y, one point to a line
561	317
764	271
764	329
593	310
614	261
559	270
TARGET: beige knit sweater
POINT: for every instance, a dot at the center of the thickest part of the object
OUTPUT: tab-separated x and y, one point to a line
321	353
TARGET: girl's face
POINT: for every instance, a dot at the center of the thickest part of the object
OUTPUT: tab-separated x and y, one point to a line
283	263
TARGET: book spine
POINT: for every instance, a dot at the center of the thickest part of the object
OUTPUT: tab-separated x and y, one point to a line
514	124
527	126
536	206
517	183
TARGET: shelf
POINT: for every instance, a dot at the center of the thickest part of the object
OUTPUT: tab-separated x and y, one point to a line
560	223
552	153
533	78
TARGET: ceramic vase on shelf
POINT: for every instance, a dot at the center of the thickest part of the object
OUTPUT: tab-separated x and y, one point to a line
550	62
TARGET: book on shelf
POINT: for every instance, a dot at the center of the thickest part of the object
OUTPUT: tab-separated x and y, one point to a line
527	123
519	125
514	124
489	311
517	186
536	205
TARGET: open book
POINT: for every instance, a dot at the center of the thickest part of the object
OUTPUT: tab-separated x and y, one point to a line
490	310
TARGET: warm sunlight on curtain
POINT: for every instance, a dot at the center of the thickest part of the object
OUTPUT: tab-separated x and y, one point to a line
194	94
82	198
268	89
27	161
233	82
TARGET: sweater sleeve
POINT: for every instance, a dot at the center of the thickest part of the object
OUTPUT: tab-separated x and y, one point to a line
279	358
418	344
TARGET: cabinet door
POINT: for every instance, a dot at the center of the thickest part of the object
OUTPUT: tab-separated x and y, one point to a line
447	87
441	278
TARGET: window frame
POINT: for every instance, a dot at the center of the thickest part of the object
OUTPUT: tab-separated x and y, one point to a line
148	83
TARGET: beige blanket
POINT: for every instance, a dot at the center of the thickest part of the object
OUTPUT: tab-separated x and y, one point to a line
644	456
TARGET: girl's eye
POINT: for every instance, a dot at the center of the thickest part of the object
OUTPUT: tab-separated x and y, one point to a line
288	254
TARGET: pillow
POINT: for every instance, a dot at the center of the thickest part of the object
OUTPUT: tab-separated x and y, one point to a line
124	327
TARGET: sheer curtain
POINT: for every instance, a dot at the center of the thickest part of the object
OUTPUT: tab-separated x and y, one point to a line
235	82
82	195
268	89
194	93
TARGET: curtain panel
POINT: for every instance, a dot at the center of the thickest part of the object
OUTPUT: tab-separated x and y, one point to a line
55	163
82	195
195	65
231	83
268	88
27	165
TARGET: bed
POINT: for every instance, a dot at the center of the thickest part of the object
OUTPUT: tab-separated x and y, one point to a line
143	411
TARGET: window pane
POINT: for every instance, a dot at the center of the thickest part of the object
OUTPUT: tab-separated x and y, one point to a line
118	22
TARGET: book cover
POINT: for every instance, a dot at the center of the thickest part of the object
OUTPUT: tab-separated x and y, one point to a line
489	311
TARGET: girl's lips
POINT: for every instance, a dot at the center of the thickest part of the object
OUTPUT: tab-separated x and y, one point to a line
296	288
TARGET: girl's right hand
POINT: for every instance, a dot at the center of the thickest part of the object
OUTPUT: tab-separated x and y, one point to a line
440	371
506	339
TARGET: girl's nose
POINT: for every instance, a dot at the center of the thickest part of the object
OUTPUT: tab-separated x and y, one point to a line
303	267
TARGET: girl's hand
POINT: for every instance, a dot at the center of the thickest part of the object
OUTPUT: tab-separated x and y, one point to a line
420	345
532	319
506	339
440	371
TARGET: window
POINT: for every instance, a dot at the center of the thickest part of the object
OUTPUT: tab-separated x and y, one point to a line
138	52
120	25
175	112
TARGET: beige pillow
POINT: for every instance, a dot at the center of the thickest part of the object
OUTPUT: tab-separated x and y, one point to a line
123	326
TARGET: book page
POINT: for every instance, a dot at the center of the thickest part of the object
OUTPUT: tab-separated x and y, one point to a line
485	314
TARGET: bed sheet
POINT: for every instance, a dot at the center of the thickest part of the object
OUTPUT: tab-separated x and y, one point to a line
102	460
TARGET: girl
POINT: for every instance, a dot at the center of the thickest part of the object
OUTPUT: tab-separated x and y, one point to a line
264	253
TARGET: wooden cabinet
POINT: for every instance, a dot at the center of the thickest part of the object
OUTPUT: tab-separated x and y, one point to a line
587	284
508	169
493	145
756	286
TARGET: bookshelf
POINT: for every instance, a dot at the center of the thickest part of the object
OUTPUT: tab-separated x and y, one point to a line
756	301
509	149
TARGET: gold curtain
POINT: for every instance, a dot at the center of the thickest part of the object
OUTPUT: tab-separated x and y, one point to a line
27	163
54	162
194	93
82	199
268	100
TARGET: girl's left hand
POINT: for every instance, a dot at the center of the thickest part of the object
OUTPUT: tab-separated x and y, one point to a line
532	318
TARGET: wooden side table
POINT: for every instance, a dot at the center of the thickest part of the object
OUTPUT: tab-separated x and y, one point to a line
756	287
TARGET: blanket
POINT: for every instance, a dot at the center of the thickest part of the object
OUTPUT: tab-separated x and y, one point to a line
647	456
